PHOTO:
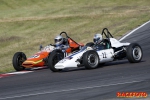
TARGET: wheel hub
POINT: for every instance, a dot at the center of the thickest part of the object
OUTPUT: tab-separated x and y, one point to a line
137	53
92	60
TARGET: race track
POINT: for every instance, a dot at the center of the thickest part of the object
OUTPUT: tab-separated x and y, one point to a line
81	84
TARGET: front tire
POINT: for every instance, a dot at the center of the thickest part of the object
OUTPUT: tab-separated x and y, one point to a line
134	53
18	59
55	56
90	59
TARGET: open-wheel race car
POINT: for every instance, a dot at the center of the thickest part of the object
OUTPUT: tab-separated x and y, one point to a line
41	58
93	55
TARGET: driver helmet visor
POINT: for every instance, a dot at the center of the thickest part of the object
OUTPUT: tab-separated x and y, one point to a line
96	39
58	40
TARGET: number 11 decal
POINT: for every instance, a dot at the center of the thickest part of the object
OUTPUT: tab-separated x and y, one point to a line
104	55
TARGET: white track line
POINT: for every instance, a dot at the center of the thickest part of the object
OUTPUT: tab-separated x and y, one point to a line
134	30
67	90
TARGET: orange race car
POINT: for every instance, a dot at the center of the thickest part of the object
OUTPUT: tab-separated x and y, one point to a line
62	42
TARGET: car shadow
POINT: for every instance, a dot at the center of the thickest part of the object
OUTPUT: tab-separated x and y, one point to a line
119	62
36	68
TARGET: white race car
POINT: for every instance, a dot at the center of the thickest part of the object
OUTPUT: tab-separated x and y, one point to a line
93	55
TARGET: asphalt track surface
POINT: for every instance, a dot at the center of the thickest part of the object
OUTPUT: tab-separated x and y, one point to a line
81	84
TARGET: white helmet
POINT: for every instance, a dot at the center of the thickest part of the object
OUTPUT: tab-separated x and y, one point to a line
97	38
58	40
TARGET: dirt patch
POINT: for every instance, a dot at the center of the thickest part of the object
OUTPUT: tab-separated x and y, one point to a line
93	7
123	7
11	38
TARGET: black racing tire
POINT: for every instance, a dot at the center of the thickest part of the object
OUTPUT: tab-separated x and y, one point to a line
90	59
18	59
134	53
54	57
90	44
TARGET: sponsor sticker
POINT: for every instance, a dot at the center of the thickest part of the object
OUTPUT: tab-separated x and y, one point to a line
35	56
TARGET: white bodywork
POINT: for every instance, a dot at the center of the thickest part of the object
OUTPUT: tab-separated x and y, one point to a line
115	43
105	55
69	61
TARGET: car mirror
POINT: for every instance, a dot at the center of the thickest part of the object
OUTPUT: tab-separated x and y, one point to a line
40	48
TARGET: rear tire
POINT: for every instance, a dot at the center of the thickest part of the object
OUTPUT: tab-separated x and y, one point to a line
90	59
134	53
54	57
18	59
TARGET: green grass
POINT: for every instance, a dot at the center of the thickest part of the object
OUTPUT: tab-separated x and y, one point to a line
25	24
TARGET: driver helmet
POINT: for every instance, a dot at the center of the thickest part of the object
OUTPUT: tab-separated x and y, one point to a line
58	40
97	38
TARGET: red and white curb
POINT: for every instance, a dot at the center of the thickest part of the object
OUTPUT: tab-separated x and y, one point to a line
14	73
21	72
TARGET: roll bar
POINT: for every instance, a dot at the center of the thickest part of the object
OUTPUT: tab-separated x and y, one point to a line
68	37
106	33
65	34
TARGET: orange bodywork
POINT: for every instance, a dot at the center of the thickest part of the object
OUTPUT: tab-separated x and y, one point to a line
73	46
37	60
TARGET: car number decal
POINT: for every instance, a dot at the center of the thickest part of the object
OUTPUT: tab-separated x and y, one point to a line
104	55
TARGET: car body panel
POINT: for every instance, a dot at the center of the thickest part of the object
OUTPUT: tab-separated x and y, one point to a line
71	60
106	55
36	60
115	43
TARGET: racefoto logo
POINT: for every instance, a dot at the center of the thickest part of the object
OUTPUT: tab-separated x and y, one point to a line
131	94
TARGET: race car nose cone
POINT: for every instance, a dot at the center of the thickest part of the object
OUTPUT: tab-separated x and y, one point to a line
57	66
27	64
66	63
